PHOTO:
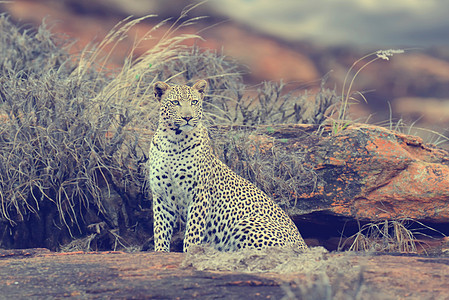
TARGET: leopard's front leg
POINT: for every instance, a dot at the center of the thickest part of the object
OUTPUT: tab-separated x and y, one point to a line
196	222
164	220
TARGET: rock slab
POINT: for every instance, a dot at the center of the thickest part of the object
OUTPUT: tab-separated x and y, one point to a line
371	173
41	274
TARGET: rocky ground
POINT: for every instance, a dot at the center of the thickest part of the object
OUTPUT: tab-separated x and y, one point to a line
41	274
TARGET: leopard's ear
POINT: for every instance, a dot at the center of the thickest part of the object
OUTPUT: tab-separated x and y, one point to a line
201	87
159	89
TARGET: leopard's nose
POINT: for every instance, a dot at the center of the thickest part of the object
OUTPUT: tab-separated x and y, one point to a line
187	118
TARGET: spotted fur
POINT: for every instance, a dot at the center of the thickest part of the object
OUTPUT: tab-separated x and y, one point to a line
189	183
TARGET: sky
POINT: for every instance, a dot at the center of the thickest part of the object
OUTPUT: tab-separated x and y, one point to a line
360	22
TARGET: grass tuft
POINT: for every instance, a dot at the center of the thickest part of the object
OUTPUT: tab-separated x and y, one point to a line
389	236
347	94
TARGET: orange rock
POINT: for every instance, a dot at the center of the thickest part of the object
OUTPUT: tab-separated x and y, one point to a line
372	173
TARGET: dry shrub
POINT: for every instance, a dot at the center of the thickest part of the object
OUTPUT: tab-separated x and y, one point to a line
47	143
70	155
390	236
101	238
272	105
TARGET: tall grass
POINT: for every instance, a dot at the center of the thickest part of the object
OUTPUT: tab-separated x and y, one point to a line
347	93
67	128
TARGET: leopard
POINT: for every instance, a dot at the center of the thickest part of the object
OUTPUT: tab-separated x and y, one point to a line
191	186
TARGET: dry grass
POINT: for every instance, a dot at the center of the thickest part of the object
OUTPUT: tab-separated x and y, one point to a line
428	135
348	96
315	273
272	259
100	238
270	104
66	131
389	236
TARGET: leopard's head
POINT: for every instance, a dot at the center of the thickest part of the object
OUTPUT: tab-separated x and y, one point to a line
181	106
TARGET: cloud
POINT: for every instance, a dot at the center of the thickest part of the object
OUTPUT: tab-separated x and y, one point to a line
373	22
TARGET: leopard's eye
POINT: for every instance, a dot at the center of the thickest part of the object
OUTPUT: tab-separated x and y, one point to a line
175	102
194	102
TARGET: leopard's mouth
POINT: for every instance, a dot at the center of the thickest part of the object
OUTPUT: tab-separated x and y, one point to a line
185	126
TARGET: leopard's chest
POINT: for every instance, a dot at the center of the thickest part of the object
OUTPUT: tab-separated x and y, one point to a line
174	172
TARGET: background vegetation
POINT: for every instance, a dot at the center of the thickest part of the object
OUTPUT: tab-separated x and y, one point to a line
74	133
